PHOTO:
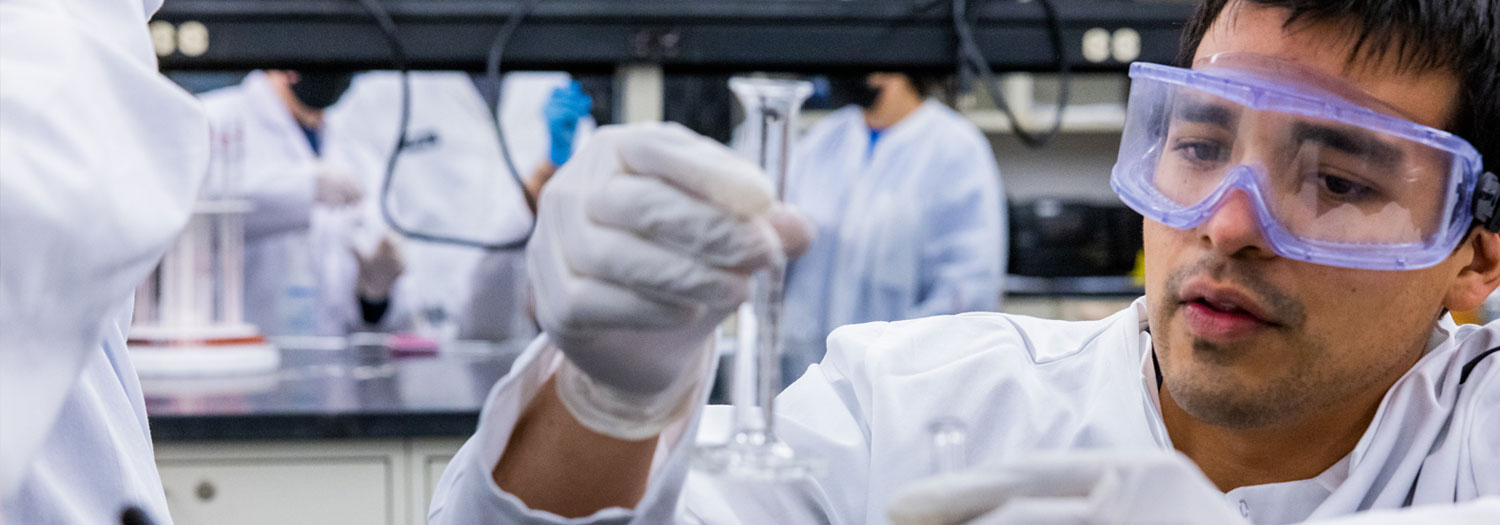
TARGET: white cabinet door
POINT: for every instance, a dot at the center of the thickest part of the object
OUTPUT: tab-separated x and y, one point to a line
429	457
290	491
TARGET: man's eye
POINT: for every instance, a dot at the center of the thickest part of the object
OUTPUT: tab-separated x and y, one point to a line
1201	150
1343	188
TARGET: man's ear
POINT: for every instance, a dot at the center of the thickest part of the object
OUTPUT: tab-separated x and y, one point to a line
1480	277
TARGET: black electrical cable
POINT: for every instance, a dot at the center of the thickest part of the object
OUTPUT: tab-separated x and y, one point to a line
971	61
492	75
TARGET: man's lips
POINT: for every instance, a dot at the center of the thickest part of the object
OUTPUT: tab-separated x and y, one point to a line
1222	314
1227	300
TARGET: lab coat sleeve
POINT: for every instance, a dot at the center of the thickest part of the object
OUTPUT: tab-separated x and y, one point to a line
400	310
334	235
821	416
280	190
963	256
1482	511
100	159
365	132
468	494
281	196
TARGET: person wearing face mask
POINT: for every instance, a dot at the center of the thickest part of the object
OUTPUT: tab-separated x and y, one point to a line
273	146
909	211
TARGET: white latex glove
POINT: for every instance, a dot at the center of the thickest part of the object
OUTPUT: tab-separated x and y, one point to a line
378	269
1090	486
645	240
333	187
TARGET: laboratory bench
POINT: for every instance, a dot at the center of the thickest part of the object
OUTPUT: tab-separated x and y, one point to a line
336	434
361	434
326	390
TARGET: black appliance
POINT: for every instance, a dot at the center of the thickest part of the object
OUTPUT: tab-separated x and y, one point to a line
1062	238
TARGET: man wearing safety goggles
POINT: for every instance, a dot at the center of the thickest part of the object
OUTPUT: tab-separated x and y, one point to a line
1319	189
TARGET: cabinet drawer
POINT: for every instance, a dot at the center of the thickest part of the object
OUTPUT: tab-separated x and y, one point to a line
291	491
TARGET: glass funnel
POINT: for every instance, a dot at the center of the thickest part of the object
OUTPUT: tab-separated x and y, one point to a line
753	451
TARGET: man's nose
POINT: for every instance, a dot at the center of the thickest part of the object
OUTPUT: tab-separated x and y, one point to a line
1234	230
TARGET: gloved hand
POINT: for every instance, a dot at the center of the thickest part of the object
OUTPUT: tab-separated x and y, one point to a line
333	187
1092	486
643	243
378	269
565	108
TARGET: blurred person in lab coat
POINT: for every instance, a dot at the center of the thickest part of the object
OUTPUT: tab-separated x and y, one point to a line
101	159
1321	185
273	147
452	179
909	210
319	256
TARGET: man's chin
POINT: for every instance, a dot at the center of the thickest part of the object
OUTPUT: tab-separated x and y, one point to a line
1214	383
1223	403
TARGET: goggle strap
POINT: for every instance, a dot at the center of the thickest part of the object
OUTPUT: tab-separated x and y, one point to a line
1487	202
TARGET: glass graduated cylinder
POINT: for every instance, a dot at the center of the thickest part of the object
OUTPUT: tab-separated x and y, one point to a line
753	451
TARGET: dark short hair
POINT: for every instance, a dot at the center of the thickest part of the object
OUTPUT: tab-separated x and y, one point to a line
1461	36
927	83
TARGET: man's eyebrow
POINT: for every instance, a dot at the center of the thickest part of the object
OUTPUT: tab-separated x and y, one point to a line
1355	142
1193	109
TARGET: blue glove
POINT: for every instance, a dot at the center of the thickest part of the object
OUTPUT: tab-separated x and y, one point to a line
567	105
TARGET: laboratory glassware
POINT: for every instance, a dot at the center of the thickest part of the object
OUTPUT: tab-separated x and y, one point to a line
189	313
753	451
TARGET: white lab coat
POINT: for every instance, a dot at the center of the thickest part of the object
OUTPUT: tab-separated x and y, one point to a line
913	227
1020	385
100	160
299	273
451	180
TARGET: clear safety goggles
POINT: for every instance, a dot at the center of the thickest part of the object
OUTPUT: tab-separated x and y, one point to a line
1334	176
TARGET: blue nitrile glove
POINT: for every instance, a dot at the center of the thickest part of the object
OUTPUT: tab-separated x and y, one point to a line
567	105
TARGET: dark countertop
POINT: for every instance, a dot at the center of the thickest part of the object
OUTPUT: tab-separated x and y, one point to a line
1096	286
326	390
335	393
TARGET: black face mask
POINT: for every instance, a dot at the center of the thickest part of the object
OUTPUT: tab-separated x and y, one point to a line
320	89
853	89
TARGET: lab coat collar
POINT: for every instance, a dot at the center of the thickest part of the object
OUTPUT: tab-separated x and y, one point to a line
911	126
1426	382
1425	377
1138	330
